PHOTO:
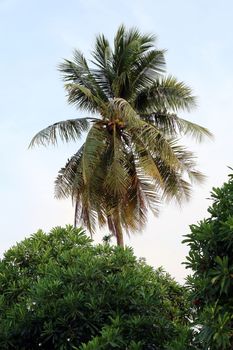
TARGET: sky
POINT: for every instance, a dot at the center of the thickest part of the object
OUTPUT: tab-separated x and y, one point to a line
34	38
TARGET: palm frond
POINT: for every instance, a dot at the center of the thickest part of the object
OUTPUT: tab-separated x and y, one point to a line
176	188
126	112
148	134
196	176
88	215
170	124
83	98
129	47
67	130
165	94
187	162
196	131
147	68
104	74
142	197
126	37
78	72
117	179
175	184
157	143
69	179
147	190
146	161
95	146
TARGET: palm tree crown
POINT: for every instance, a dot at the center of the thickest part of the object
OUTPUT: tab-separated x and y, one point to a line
131	158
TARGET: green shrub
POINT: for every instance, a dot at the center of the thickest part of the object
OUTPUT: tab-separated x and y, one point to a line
59	291
211	259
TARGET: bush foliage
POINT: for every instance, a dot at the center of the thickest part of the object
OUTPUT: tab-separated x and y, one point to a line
211	259
59	291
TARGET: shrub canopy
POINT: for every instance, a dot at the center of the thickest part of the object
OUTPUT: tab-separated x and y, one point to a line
59	291
211	259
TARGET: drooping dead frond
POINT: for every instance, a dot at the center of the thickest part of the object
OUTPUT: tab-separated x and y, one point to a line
69	178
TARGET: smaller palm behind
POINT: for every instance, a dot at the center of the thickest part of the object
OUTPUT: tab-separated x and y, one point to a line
131	159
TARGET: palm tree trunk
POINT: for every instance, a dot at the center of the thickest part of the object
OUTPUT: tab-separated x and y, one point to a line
118	230
119	236
75	214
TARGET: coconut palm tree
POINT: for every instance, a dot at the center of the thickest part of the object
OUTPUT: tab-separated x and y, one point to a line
131	158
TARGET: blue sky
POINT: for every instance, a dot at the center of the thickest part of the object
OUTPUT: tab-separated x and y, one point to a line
36	35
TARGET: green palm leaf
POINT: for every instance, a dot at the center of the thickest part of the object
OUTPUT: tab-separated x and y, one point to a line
170	124
95	146
68	130
165	94
78	72
117	179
